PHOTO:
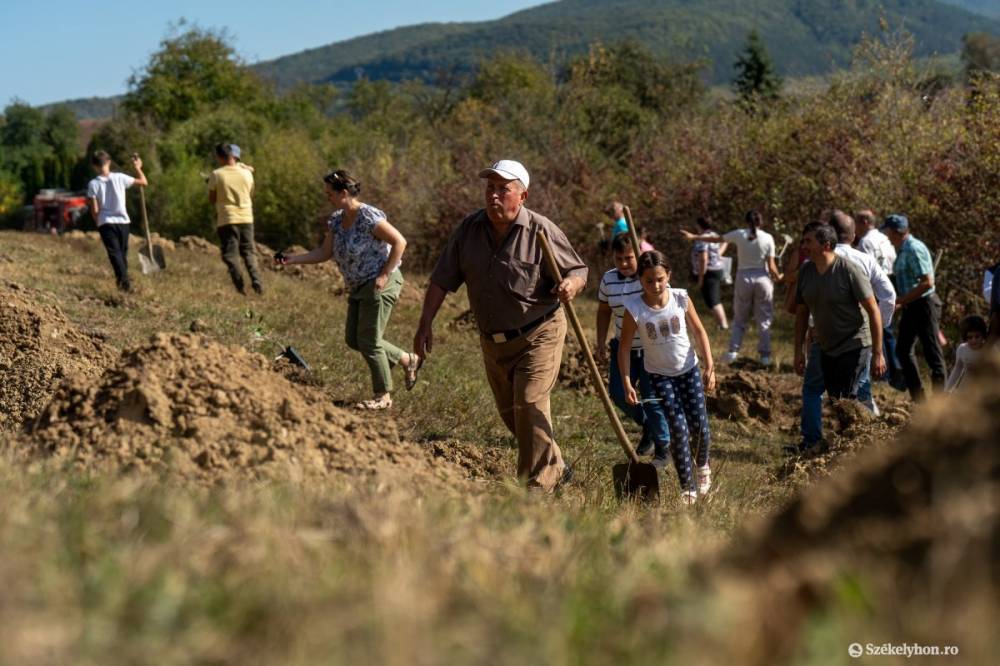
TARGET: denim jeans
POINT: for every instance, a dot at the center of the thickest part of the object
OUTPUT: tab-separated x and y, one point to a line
812	397
649	414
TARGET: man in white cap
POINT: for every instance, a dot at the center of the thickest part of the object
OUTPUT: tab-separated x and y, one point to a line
495	252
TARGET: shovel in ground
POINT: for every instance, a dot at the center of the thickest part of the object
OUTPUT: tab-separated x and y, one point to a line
151	257
631	479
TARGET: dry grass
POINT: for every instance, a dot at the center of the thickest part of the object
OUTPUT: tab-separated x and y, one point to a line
99	570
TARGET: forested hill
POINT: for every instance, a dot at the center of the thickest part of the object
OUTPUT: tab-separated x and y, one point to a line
984	7
805	37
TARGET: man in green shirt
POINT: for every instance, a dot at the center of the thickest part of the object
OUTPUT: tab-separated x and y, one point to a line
848	325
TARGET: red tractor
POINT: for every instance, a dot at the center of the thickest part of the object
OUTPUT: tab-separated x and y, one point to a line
57	211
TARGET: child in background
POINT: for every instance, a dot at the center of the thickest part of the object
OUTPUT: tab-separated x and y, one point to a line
973	331
618	285
662	317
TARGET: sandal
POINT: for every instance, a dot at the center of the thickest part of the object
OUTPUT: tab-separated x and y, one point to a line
385	402
412	369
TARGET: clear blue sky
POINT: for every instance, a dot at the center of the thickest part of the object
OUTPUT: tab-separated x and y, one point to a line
55	50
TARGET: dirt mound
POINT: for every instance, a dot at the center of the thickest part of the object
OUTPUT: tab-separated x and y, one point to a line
188	406
479	462
743	395
198	243
917	518
574	373
40	347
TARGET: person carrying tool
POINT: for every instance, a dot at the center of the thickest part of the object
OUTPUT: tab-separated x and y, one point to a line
368	251
662	317
755	279
106	200
617	285
230	189
919	305
495	252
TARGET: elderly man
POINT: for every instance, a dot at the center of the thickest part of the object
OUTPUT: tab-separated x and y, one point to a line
920	306
848	326
495	252
872	241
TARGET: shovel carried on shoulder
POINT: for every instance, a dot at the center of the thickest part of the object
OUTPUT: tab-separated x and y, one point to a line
633	478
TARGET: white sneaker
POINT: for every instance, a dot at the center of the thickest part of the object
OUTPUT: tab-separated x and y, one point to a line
689	497
730	356
704	476
765	360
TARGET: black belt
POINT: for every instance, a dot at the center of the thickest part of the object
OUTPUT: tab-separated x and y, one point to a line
514	333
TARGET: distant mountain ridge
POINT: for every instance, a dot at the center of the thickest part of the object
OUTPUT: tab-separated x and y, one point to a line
805	37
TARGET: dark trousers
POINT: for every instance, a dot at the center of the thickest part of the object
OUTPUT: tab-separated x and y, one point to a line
842	374
919	321
115	239
237	241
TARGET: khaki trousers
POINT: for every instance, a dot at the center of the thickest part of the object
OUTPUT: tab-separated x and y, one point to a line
522	373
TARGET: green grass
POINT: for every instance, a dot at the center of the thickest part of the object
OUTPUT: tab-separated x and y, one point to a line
120	570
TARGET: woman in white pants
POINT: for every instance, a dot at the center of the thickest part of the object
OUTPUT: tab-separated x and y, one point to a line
754	285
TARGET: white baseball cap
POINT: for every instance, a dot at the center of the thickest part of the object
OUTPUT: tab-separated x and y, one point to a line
508	170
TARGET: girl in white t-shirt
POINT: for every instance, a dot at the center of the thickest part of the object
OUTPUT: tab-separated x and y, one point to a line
973	330
662	317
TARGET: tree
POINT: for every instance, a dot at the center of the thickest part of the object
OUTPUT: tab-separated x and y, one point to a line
980	54
24	150
756	81
191	72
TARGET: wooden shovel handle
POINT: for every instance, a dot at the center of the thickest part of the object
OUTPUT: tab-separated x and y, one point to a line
632	234
145	222
595	373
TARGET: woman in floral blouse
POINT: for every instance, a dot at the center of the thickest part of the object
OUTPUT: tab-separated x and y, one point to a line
368	251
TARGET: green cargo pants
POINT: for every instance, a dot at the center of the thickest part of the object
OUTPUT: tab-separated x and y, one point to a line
368	313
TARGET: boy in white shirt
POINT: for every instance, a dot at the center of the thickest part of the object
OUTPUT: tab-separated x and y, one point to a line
106	200
973	331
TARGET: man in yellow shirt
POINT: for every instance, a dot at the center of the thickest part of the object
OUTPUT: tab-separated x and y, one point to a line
230	188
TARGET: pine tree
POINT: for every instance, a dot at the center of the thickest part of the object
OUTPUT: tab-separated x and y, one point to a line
756	81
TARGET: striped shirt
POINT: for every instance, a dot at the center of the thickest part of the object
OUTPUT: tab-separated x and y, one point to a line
615	290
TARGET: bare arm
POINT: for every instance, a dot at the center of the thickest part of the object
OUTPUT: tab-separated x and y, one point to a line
772	268
140	177
423	341
625	357
604	314
316	255
708	238
95	208
801	326
397	244
703	344
926	284
875	324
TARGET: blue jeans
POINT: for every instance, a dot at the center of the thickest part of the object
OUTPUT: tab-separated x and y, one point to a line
813	388
812	397
649	414
893	369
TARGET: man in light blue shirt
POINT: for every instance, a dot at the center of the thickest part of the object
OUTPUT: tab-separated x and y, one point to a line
920	306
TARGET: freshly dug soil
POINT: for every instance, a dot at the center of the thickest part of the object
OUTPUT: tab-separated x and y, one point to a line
917	518
39	348
574	373
743	395
185	405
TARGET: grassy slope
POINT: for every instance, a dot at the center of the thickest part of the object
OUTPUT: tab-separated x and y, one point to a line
113	570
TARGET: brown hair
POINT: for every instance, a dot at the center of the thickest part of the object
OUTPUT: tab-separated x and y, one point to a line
341	181
652	259
100	158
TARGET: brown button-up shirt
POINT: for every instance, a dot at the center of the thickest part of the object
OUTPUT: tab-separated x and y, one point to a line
509	286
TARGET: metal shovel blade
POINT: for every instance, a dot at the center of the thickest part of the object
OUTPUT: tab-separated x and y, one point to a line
151	264
640	480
